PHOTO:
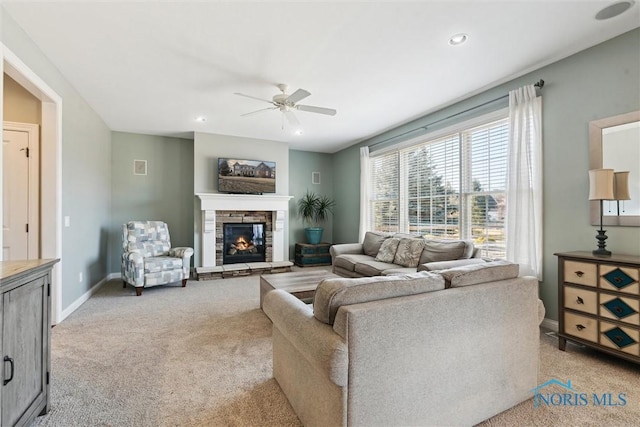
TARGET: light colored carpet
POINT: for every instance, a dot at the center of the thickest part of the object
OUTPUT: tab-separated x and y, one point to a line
201	356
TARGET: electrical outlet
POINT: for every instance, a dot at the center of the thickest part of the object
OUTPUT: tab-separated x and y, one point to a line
80	277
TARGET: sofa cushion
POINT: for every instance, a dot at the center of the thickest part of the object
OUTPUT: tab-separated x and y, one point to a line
442	250
445	265
388	250
373	267
396	270
408	252
349	261
372	242
331	294
480	273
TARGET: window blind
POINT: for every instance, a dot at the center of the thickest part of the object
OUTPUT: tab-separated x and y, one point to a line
453	187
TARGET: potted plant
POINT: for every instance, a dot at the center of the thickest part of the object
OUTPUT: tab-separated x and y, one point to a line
314	210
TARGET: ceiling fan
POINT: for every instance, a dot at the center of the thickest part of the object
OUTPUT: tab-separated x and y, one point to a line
287	103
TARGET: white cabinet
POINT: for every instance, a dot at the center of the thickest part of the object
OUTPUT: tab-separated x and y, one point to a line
24	340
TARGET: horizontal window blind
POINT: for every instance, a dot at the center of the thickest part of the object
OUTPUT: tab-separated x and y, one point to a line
453	187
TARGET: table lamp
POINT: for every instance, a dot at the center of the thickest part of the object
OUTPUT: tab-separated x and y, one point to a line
601	188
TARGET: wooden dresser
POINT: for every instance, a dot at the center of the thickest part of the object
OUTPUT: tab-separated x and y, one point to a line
599	302
25	322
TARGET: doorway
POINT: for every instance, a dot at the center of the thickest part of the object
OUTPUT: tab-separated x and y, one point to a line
50	169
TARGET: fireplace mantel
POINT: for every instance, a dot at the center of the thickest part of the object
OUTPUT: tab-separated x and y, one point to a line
242	202
278	205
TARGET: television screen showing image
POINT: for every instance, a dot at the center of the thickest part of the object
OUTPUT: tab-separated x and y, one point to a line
246	176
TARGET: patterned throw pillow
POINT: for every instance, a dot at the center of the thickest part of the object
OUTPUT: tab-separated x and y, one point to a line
388	250
408	252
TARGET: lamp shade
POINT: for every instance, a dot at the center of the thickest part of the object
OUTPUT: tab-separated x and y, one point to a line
601	184
621	186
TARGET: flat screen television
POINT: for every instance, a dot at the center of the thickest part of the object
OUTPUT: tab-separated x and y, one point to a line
241	176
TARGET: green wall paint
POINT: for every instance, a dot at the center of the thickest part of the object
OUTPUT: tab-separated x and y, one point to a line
86	172
301	165
164	194
599	82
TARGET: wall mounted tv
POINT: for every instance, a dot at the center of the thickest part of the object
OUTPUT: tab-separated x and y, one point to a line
246	176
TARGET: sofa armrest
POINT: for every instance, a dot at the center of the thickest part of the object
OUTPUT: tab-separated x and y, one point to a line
346	248
318	343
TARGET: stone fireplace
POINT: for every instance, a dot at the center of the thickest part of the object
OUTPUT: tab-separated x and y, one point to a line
243	237
219	209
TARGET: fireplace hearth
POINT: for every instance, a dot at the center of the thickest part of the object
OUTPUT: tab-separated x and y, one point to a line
243	242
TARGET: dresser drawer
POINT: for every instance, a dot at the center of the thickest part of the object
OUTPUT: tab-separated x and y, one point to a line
621	308
581	326
581	299
581	273
619	279
620	338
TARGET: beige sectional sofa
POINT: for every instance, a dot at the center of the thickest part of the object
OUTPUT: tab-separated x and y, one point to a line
448	348
382	254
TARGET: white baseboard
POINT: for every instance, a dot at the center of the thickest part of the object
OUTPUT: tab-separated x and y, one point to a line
550	324
77	303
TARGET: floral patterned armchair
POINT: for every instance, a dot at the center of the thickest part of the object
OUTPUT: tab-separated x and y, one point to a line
148	258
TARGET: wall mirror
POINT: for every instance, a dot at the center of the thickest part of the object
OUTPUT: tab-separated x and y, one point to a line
614	143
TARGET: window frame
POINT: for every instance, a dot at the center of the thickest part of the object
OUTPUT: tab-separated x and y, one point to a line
464	191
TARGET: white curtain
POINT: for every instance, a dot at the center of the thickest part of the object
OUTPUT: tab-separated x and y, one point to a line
364	192
524	181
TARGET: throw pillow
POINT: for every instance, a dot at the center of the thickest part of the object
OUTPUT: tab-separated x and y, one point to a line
408	252
372	242
387	250
442	250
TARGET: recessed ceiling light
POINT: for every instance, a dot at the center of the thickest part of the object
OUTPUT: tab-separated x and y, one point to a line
299	132
201	119
458	39
614	10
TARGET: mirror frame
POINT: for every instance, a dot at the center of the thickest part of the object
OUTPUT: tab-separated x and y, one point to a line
595	162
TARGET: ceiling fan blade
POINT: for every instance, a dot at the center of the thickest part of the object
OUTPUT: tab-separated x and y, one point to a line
312	109
258	111
293	120
253	97
296	96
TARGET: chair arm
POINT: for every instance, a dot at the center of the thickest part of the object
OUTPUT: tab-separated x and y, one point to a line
133	267
181	252
185	253
317	342
346	248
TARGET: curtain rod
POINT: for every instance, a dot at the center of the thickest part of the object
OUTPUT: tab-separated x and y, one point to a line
539	84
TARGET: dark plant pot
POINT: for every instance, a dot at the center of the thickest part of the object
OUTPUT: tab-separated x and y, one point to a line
314	235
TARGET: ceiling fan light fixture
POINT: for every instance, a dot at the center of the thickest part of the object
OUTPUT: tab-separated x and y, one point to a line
458	39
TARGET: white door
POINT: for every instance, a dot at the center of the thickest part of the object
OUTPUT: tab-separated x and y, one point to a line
20	193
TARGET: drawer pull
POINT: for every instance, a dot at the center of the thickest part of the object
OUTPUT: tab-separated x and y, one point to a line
579	273
580	327
10	360
579	300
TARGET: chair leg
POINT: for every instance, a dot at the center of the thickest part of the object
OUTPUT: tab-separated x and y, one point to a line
184	282
139	291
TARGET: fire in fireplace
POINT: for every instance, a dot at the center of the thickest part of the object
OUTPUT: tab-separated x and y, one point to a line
243	242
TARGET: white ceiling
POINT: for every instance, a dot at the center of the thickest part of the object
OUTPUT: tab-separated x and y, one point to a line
152	67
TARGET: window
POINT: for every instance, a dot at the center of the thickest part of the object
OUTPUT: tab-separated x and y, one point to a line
451	187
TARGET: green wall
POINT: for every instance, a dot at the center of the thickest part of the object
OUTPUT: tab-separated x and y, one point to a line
301	165
599	82
86	172
164	194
